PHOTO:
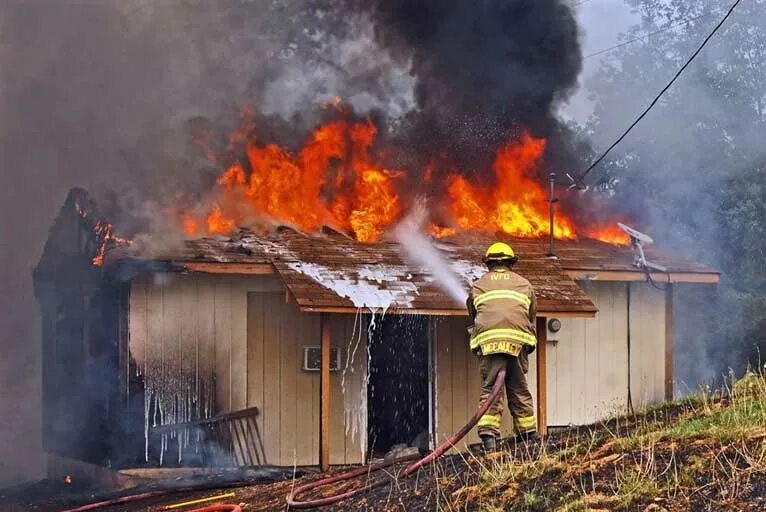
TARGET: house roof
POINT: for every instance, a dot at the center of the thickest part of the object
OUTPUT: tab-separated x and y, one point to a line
330	272
590	259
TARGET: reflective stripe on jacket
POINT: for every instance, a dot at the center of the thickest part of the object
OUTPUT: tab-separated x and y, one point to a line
502	306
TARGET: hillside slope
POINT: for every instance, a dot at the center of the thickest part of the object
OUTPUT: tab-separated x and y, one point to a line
705	453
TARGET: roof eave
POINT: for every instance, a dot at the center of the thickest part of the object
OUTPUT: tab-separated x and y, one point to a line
639	275
589	313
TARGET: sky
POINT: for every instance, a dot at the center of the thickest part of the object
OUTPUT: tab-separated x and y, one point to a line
601	21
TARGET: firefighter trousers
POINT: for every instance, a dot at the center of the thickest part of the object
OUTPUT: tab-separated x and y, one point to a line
516	389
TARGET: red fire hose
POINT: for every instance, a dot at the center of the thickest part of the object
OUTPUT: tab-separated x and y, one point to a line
438	452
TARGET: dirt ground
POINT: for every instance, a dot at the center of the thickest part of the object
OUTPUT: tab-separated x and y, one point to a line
680	457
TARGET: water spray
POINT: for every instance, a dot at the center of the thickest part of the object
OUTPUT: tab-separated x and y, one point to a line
418	249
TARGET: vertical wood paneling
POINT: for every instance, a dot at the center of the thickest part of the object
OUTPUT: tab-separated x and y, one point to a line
637	349
668	374
238	336
459	378
581	365
541	412
593	343
187	325
337	406
198	328
599	340
206	346
608	369
619	349
648	333
287	387
154	335
588	366
552	359
283	391
314	333
138	323
272	322
222	318
304	399
657	306
172	322
255	346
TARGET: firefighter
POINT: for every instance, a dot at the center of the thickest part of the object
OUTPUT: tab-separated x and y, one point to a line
502	307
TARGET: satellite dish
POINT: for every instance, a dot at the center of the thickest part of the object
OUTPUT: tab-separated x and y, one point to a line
634	233
636	239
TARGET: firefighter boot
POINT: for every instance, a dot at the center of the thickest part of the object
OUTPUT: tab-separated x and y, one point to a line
528	436
489	443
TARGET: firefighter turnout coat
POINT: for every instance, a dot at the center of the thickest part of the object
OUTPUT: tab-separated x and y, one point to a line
502	306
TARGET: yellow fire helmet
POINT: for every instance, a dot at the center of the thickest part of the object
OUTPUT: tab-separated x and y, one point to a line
500	251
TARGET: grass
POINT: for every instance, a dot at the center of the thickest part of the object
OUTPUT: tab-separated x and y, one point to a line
708	446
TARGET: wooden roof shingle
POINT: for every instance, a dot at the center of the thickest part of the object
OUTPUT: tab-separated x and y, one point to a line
328	271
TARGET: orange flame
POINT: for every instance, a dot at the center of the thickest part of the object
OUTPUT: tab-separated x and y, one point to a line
295	189
336	178
105	234
515	203
610	234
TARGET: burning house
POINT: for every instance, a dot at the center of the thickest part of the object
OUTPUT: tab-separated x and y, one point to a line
292	347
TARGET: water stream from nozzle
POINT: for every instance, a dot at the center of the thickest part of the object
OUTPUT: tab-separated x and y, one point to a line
419	250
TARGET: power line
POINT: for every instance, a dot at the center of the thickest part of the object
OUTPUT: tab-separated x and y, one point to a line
657	98
650	34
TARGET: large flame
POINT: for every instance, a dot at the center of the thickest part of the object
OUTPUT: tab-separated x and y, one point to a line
514	202
336	178
332	180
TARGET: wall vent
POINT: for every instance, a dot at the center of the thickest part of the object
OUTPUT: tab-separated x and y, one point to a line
312	358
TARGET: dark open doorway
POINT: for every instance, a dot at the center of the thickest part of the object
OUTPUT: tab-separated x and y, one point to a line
398	391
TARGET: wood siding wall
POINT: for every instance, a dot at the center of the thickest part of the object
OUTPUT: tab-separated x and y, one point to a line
588	365
586	361
242	329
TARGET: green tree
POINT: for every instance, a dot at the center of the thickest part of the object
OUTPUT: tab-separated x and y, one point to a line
693	170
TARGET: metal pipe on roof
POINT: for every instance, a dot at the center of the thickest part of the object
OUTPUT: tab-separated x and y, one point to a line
551	201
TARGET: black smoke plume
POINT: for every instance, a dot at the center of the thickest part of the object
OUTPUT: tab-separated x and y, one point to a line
484	71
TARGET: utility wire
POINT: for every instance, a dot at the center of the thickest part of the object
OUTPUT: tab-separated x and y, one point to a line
650	34
657	98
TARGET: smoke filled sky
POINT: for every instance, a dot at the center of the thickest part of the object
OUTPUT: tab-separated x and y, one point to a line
101	94
601	23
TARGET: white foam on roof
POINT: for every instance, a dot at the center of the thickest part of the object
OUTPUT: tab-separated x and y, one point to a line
467	270
364	291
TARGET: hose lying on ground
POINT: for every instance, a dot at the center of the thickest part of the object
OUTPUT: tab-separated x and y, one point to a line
161	492
438	452
152	494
